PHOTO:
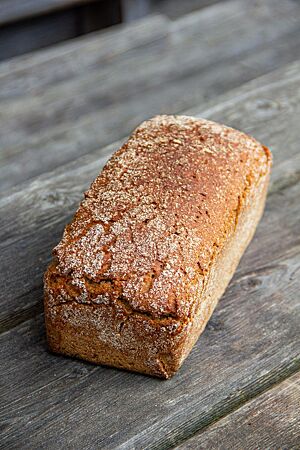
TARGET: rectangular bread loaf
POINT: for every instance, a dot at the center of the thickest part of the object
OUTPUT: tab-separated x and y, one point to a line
154	244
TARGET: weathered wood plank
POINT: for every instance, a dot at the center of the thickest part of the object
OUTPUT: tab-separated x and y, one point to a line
18	38
232	11
70	100
81	133
51	199
271	420
57	147
31	74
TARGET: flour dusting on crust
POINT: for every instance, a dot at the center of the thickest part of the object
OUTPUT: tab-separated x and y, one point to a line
154	219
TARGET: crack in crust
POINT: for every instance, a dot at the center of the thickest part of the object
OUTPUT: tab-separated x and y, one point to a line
105	291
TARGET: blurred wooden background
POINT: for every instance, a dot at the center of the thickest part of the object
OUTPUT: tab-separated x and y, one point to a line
32	24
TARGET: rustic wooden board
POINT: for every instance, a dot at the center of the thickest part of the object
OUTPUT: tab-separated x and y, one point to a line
30	74
251	342
24	36
57	147
91	112
69	100
271	421
262	22
17	39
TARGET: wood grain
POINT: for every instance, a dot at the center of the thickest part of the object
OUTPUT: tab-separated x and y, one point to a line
23	36
31	74
51	106
57	147
19	38
255	23
84	114
271	420
55	402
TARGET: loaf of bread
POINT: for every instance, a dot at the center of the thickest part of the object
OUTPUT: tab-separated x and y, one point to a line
154	243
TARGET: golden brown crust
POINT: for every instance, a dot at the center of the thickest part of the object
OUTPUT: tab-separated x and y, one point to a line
142	246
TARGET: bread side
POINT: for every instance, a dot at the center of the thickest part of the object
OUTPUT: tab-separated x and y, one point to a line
154	244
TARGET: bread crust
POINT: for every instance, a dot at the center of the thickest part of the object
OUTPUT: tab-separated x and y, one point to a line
154	244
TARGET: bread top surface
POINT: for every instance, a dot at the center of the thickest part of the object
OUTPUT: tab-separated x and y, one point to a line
152	222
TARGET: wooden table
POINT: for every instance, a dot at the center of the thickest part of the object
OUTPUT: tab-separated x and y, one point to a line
240	387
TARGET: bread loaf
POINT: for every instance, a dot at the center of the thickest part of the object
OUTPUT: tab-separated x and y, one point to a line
154	243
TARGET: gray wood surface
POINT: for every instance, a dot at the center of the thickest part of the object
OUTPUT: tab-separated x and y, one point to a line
43	30
258	20
270	421
48	124
30	74
177	8
251	343
19	38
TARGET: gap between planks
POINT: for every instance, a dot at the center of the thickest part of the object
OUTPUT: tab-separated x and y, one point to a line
191	428
262	422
